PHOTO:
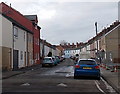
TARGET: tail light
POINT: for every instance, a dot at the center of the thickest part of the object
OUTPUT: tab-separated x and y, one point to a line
77	66
96	67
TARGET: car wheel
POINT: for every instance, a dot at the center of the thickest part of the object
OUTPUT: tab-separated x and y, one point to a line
75	77
51	65
98	78
43	65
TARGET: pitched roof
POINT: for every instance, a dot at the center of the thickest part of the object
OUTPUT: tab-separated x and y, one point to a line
15	17
104	31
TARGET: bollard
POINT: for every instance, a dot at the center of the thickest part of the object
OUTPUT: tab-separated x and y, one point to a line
115	69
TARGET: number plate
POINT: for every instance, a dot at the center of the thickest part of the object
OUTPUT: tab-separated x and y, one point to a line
87	68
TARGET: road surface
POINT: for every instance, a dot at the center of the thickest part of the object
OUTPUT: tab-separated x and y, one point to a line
56	79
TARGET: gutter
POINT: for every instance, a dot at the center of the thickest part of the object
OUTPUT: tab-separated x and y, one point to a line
17	24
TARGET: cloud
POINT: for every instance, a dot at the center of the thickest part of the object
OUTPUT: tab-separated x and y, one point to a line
75	21
70	21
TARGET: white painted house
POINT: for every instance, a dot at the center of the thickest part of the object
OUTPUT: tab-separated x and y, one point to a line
71	52
46	47
20	45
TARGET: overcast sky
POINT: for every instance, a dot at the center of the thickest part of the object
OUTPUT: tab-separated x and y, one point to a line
70	21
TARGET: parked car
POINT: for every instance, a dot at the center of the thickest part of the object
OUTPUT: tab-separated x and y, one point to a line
48	61
61	59
58	59
55	61
87	67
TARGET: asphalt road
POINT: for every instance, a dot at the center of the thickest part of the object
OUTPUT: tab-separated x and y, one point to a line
57	79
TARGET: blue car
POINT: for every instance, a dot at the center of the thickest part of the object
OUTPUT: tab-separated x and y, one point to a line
57	58
55	61
87	67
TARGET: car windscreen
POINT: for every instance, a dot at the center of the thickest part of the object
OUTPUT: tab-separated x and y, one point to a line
87	62
47	58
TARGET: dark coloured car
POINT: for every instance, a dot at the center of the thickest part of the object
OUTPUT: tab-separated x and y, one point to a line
55	61
58	59
87	67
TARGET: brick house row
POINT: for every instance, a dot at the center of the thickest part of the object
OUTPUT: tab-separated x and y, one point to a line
19	39
108	41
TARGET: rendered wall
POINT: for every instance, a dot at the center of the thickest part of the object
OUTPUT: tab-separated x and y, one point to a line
0	42
7	41
112	44
20	44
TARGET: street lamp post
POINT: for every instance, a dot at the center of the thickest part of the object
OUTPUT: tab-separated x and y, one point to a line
98	54
96	36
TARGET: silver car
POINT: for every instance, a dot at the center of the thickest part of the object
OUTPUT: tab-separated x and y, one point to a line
48	61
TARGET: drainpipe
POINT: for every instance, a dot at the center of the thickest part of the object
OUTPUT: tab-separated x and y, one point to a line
98	54
43	49
13	50
26	51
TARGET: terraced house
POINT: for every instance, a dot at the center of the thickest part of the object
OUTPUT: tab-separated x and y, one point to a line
46	48
17	35
108	44
36	38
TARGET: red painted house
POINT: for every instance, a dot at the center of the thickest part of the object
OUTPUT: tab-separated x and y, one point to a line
36	39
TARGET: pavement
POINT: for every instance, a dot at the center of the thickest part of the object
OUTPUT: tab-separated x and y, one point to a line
8	74
112	78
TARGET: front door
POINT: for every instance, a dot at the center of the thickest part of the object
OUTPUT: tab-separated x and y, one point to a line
15	59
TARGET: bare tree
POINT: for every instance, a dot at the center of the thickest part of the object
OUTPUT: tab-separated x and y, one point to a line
63	42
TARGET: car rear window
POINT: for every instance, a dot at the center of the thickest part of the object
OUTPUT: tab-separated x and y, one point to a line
87	62
47	58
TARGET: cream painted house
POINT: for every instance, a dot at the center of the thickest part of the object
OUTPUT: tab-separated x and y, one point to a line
0	42
46	50
110	44
7	42
85	52
57	52
46	47
29	49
